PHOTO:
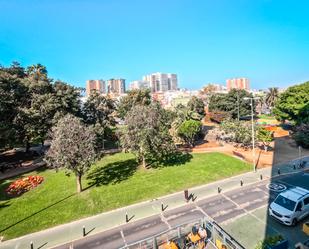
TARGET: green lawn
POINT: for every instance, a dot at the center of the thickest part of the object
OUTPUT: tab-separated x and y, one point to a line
115	181
265	116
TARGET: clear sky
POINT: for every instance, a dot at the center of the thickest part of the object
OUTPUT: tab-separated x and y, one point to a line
200	40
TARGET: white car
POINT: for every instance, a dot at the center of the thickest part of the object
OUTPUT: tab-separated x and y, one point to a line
290	206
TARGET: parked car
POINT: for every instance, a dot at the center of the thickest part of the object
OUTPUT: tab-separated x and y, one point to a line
290	206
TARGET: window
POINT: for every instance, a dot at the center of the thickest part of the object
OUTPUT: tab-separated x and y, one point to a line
285	202
306	201
299	206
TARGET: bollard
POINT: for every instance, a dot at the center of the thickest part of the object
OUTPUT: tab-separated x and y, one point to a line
127	218
294	166
31	245
279	172
261	177
219	190
186	192
84	231
155	245
179	233
241	183
162	207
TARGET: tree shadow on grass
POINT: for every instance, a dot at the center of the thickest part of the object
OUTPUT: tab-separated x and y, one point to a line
37	212
175	159
112	173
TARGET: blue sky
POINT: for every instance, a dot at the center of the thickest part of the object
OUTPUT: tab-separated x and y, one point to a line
202	40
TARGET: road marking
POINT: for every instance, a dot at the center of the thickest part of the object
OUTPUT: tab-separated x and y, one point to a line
251	214
165	221
124	239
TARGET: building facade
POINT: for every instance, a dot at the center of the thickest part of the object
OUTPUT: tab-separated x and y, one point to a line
97	85
139	84
238	83
161	82
116	86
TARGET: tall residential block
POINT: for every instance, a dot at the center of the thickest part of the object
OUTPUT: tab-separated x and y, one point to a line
139	84
97	85
161	82
116	86
238	83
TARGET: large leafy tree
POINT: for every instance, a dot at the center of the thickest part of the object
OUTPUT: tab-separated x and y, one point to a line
146	133
196	105
67	99
189	130
12	96
98	111
301	135
265	136
232	103
72	147
133	98
31	104
238	132
291	104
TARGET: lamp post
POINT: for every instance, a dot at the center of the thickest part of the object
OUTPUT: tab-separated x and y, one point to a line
252	122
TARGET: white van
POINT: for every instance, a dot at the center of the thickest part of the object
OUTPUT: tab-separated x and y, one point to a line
290	206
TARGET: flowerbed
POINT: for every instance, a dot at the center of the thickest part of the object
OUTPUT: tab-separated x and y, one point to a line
23	185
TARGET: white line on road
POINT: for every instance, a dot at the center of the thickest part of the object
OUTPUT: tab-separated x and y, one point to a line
124	239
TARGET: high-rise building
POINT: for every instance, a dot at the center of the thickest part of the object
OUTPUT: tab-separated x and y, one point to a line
161	82
116	86
97	85
238	83
139	84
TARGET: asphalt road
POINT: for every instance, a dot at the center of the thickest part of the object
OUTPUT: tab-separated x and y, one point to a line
221	207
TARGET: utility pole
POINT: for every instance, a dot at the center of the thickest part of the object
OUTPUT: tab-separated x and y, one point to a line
252	128
237	105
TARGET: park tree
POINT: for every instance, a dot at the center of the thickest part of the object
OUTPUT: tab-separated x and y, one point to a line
30	104
291	104
189	130
265	136
238	132
271	97
98	111
146	133
196	105
133	98
12	97
67	100
232	103
72	147
301	135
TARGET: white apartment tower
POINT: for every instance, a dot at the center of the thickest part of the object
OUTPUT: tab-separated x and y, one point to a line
116	86
161	82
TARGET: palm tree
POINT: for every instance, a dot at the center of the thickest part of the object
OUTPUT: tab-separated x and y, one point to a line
38	71
271	97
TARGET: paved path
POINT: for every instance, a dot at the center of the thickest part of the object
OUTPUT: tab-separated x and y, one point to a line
109	230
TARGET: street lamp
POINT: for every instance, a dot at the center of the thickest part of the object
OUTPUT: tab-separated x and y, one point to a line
252	122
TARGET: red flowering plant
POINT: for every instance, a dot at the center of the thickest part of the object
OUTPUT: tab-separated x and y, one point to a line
23	185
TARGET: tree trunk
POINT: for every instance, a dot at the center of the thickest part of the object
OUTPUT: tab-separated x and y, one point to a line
79	183
265	147
144	162
27	146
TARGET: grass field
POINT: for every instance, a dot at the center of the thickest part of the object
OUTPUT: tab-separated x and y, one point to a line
113	182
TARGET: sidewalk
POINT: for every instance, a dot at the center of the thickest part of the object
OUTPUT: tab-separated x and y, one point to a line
72	231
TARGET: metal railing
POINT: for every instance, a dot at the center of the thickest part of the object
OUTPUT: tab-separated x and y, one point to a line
216	237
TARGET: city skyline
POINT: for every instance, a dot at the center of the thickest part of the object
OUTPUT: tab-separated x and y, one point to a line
264	41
